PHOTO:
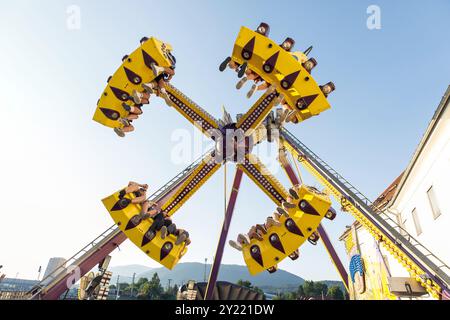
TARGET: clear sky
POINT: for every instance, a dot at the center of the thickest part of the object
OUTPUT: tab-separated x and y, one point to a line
57	164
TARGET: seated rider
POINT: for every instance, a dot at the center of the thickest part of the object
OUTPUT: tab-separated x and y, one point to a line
256	232
288	204
133	114
274	220
162	222
140	193
139	190
287	45
241	241
263	29
158	85
182	236
140	98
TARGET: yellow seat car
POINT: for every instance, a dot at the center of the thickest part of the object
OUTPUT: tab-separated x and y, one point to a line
302	215
282	69
125	215
133	72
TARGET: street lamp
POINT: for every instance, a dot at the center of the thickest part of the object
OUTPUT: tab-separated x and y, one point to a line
204	274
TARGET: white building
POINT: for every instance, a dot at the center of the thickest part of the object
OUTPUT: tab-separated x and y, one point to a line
422	198
419	200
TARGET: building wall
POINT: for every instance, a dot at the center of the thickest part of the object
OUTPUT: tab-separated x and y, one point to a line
379	266
53	264
432	169
375	272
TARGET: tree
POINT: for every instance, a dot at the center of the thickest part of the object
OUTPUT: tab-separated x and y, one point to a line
244	283
335	293
248	284
153	289
140	283
311	289
301	292
286	296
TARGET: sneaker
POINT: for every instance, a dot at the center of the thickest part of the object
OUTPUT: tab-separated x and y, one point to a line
261	228
235	245
180	239
119	132
283	212
243	239
137	97
293	193
156	69
242	69
163	232
288	205
126	107
124	122
258	236
224	64
241	83
272	222
251	91
144	216
148	87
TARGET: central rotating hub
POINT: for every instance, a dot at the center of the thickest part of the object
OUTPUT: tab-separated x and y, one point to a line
231	144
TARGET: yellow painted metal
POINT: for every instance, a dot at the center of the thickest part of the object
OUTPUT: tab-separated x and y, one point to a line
306	223
261	108
286	64
263	171
124	82
300	56
191	111
196	179
155	248
378	235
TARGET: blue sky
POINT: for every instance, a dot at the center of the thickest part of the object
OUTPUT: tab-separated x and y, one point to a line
57	163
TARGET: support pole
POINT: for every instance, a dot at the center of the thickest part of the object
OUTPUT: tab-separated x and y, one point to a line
320	229
223	235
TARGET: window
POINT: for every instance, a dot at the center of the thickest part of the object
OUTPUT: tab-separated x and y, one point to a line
416	222
433	203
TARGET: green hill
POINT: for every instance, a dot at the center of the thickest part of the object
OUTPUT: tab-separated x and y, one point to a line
278	281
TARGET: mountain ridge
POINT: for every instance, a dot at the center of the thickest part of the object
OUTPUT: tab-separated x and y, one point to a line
279	281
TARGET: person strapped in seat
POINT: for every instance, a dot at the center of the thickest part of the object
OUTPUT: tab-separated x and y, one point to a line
262	29
157	86
133	114
257	231
162	222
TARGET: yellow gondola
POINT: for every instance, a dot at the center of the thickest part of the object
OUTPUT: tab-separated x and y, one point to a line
163	251
134	71
281	241
282	69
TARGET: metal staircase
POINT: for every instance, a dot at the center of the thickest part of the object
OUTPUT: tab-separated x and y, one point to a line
107	240
433	267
